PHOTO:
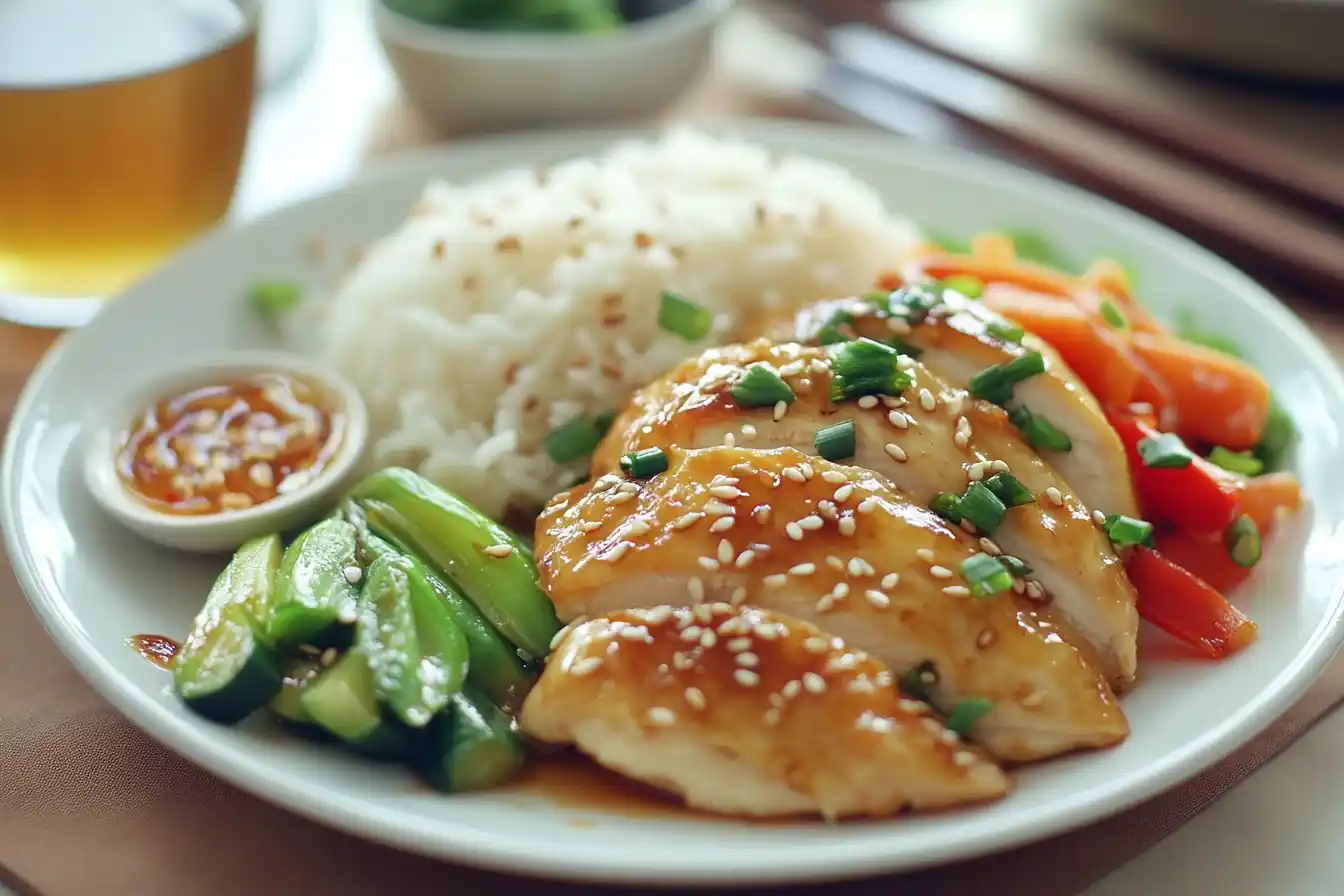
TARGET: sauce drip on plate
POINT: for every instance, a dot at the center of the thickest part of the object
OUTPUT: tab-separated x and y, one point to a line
155	648
229	446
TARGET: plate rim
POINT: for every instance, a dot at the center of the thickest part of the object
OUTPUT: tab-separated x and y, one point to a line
456	841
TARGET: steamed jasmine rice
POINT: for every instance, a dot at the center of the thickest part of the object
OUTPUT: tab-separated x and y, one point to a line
505	308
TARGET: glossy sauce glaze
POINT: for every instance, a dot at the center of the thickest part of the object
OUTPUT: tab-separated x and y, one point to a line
158	649
229	446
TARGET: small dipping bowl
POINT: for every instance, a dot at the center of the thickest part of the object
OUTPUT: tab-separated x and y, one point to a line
225	530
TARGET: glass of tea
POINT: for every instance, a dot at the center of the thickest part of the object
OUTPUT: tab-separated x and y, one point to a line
122	128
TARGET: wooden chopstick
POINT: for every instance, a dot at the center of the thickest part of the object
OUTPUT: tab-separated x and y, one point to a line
1291	177
1260	235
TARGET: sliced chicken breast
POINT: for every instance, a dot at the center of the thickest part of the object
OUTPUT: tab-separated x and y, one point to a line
836	546
745	712
956	340
933	439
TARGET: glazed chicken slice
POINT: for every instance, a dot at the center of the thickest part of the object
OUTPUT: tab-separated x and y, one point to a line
956	340
932	439
836	546
746	712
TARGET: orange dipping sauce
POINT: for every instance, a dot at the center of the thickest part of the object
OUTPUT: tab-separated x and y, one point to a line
230	446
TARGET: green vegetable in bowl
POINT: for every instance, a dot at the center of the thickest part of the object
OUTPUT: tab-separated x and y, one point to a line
577	16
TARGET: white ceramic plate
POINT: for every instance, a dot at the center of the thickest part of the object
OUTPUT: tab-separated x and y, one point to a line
93	584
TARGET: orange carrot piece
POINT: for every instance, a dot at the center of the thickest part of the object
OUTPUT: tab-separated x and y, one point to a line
1024	274
1217	398
1265	497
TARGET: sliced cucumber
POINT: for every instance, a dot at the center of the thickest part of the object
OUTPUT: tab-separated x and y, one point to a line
288	704
342	700
453	539
225	669
315	602
469	746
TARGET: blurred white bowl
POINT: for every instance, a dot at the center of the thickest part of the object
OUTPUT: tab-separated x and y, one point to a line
473	80
1294	39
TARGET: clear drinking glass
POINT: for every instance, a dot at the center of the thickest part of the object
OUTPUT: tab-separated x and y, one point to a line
122	126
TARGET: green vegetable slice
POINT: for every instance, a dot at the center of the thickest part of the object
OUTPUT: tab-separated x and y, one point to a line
762	387
1242	540
982	507
1165	450
1005	332
945	505
574	439
1242	462
1124	531
986	575
919	681
836	442
682	317
866	367
1009	490
967	712
645	463
1039	431
996	383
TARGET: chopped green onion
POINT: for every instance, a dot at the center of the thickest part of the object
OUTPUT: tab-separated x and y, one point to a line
573	440
1031	245
1005	332
914	300
645	463
1277	438
271	298
905	348
880	299
1165	450
982	507
830	333
604	420
866	367
1009	490
1243	462
967	712
836	442
945	505
1242	539
1124	531
1039	431
1111	313
761	387
970	287
689	320
1015	566
917	681
986	575
996	383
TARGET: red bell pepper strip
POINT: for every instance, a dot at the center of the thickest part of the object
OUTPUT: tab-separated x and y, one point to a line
1200	497
1204	556
1181	604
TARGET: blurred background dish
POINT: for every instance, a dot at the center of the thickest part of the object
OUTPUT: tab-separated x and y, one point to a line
1290	39
475	66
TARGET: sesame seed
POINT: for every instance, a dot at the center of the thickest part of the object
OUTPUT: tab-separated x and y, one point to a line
691	633
748	431
835	563
792	688
746	677
329	656
975	472
781	408
861	685
353	574
722	524
695	698
686	520
715	507
814	682
625	486
926	400
726	552
1098	517
748	660
622	497
985	638
963	759
661	716
634	633
893	401
1056	497
499	550
911	706
957	591
682	661
638	527
729	441
890	581
860	567
895	452
1032	699
708	639
762	513
961	440
940	572
877	598
828	509
794	531
867	402
840	591
898	419
834	477
738	596
842	494
744	559
803	569
807	470
771	717
1019	587
811	522
925	554
847	525
585	666
1035	591
825	604
737	645
998	466
555	640
794	474
777	580
868	505
618	551
727	492
708	563
968	527
991	547
695	588
816	644
898	325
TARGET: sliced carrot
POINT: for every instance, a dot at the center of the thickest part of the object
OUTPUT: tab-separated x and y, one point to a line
1184	605
1205	556
1217	398
1098	357
1264	497
1025	274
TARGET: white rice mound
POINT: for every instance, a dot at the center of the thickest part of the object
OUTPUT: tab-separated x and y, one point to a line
504	308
